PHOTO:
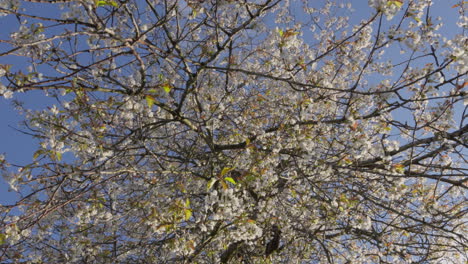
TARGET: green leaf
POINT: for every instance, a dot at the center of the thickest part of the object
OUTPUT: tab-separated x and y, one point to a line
38	153
187	203
293	193
105	3
231	180
343	198
280	32
210	184
150	100
2	239
417	19
167	87
353	203
58	156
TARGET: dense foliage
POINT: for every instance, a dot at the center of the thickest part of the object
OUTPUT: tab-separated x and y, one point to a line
250	131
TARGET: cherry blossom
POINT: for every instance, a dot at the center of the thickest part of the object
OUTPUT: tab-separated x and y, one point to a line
272	131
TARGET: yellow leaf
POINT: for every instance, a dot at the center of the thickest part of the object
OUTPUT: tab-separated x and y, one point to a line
154	213
58	156
188	214
225	171
400	168
224	185
150	100
343	198
190	244
397	3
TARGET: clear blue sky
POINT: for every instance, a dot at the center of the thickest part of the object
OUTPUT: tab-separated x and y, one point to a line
19	148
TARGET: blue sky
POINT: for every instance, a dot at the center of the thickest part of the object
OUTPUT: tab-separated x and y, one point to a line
19	148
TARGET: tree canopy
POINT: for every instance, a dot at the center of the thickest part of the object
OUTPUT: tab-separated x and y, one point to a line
250	131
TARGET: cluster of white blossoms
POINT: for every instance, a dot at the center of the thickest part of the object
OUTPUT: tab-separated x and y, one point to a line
460	53
9	4
225	204
247	231
238	131
388	7
6	93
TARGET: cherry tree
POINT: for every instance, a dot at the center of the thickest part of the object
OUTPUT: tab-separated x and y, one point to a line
221	131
